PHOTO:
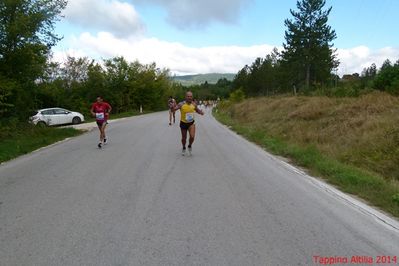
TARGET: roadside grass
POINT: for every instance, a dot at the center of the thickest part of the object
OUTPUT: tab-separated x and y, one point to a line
352	143
18	138
126	114
25	139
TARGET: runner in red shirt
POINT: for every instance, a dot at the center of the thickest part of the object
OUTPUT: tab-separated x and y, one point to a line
100	110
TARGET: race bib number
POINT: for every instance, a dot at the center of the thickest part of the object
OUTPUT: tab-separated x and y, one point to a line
189	117
100	116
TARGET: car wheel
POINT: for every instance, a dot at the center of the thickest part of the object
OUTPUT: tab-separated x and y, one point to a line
76	120
41	124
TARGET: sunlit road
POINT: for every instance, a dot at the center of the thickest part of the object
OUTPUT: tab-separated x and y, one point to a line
137	201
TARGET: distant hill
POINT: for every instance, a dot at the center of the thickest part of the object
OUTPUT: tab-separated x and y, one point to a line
211	78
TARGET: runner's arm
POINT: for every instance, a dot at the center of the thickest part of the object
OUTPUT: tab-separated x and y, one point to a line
92	111
109	109
173	105
177	107
198	110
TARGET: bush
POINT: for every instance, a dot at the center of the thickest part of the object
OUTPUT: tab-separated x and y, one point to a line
10	127
351	91
394	87
237	96
339	92
388	79
395	198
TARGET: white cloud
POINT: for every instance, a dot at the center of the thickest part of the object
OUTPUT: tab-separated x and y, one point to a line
354	60
114	16
178	58
188	13
61	56
182	59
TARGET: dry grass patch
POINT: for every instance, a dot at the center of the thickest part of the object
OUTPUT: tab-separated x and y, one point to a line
360	131
351	142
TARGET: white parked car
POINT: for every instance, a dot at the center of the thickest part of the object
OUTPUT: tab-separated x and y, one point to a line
56	116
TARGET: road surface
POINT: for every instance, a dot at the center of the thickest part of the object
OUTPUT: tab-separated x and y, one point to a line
137	201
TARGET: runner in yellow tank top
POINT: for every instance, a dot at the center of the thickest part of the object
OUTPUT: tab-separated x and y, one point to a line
187	110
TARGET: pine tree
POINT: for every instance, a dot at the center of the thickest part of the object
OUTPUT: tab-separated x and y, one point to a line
308	55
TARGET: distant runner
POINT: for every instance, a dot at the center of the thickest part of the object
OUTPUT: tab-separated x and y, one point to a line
100	110
172	105
187	109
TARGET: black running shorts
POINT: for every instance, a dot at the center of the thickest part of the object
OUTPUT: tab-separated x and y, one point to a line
186	126
101	122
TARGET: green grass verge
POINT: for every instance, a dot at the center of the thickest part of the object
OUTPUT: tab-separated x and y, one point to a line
21	139
371	187
27	139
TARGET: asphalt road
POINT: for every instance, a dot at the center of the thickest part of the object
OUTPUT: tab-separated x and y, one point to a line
137	201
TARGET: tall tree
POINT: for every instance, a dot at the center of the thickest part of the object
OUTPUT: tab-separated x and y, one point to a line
308	54
241	79
26	37
76	70
387	78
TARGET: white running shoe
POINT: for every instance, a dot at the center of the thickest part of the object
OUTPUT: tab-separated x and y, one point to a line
183	151
190	149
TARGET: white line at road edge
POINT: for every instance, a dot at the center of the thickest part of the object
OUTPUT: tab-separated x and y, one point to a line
379	216
83	126
360	206
88	128
22	156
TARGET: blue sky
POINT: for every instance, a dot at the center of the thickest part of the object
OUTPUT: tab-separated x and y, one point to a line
219	36
357	22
